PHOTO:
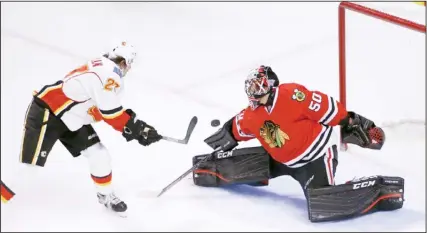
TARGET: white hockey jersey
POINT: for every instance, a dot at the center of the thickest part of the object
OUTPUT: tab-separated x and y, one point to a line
87	95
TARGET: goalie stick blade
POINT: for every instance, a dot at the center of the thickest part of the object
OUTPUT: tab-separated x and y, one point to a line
190	129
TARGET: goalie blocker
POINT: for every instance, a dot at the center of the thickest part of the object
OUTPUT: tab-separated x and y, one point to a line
253	166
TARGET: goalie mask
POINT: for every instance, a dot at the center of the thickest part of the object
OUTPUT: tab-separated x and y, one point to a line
257	86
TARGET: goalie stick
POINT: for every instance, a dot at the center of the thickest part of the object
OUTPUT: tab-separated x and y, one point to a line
190	129
188	172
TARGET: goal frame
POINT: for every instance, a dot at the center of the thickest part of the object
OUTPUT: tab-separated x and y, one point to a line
343	6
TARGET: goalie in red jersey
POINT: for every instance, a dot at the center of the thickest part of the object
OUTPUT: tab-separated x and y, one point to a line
295	128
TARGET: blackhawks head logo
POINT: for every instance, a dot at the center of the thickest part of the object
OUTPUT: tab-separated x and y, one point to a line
273	135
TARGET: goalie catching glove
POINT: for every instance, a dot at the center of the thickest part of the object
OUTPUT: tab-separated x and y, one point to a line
358	130
139	130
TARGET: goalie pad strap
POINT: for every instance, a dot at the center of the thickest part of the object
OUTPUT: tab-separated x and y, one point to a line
237	166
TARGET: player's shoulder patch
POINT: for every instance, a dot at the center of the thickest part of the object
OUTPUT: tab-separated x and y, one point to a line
294	91
298	95
110	70
118	71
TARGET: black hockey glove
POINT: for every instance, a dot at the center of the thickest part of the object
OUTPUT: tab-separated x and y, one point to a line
136	129
223	137
358	130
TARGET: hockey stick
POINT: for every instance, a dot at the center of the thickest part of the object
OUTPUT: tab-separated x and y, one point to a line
190	129
195	166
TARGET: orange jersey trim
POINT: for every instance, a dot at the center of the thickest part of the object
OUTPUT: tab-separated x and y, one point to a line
6	193
117	118
55	98
105	180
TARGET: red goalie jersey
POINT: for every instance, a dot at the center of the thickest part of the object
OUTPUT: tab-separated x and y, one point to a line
296	129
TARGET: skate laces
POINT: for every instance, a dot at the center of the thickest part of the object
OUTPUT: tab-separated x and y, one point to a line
114	199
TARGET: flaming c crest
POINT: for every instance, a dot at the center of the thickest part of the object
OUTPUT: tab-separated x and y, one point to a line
273	135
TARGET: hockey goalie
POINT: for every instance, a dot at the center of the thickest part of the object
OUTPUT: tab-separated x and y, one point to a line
295	128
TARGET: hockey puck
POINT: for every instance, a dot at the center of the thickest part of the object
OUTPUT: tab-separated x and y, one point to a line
215	123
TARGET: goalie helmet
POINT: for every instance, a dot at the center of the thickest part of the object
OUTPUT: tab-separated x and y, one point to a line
257	86
126	51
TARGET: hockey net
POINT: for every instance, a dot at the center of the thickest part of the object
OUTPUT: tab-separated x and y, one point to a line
382	61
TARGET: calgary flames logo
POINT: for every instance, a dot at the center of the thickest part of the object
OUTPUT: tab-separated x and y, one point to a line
273	135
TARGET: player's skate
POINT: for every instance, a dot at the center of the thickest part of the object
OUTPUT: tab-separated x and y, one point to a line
112	202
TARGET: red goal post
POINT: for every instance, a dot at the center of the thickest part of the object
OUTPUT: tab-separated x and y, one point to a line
343	6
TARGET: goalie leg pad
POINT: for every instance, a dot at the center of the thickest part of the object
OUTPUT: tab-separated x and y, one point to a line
355	198
240	166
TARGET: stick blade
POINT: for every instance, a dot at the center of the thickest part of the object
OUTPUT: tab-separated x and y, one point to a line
191	127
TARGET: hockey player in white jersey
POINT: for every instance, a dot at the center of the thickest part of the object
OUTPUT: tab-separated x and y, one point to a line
65	110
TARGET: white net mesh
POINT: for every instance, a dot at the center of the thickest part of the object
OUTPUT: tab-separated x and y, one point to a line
386	65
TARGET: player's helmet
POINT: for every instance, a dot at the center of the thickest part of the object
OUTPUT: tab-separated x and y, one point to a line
125	50
257	86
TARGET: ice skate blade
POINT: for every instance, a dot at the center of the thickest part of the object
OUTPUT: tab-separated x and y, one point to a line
119	214
122	214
